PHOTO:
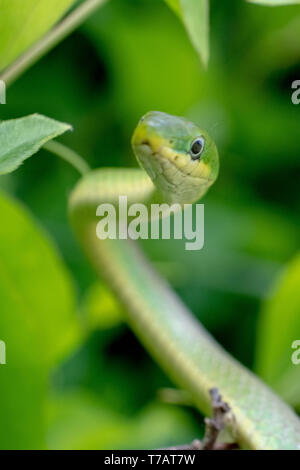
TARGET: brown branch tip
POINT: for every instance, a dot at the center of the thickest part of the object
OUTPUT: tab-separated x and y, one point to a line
213	427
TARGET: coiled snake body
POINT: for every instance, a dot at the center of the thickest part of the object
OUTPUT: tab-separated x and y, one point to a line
179	162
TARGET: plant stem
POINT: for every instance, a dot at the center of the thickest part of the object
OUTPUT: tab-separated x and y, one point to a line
68	155
51	39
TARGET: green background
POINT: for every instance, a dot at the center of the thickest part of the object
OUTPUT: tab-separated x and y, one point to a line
98	388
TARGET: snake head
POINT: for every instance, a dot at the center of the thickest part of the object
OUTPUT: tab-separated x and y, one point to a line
180	158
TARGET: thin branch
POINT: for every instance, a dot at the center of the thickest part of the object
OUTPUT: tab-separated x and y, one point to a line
68	155
213	428
196	445
216	424
50	40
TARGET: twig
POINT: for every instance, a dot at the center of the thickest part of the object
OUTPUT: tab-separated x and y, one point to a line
195	445
68	155
216	424
213	428
51	39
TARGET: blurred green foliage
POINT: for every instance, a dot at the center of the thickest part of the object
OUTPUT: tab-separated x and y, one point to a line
130	57
195	16
37	321
25	22
273	340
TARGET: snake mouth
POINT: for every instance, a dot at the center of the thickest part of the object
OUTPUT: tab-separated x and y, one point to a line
163	156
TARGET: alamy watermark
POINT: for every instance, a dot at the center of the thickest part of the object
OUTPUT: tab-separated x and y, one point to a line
2	352
296	354
296	94
2	92
135	222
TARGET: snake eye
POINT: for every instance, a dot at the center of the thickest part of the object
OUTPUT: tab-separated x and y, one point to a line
197	148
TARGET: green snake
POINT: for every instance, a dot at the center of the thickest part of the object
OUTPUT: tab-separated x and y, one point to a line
179	162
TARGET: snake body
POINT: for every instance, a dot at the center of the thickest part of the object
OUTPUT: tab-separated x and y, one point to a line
179	163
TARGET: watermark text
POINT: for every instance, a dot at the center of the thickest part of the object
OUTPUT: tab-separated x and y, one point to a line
296	93
135	222
2	352
2	92
296	354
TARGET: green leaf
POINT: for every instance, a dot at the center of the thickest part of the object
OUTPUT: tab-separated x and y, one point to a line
195	17
34	279
22	22
278	328
37	324
21	138
274	3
